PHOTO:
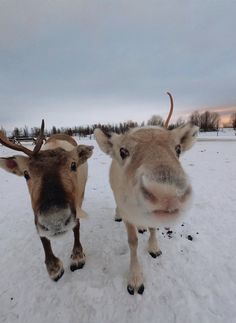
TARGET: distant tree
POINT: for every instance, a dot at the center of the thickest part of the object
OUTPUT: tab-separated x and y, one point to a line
180	122
16	132
35	131
204	121
69	132
26	132
195	118
54	130
215	121
130	124
233	120
209	121
155	120
3	131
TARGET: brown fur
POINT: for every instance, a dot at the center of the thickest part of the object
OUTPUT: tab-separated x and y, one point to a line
56	190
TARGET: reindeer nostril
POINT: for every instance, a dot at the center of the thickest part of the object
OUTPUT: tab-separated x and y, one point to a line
68	220
148	195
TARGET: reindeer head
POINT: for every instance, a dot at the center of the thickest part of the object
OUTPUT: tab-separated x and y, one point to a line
148	181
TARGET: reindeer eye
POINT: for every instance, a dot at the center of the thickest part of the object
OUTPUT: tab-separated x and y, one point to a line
73	167
178	150
26	175
124	153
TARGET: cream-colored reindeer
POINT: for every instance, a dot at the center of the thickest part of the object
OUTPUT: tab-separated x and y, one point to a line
148	182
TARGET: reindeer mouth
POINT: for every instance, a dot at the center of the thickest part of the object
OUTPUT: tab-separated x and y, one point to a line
164	213
53	226
59	233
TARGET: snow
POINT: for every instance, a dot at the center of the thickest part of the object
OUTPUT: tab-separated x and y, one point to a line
193	281
223	134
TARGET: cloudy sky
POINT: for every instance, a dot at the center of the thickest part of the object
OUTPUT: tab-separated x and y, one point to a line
77	62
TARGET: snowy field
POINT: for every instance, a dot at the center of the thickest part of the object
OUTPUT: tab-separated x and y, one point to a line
193	281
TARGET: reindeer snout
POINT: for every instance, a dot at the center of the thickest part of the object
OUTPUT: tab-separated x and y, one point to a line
170	204
55	221
165	197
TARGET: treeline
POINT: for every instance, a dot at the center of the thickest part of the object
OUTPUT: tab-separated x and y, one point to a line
84	131
210	121
206	121
81	131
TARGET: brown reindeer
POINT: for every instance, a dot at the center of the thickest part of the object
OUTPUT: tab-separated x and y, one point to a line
56	176
148	182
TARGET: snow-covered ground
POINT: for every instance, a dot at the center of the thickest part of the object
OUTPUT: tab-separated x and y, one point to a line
223	134
193	281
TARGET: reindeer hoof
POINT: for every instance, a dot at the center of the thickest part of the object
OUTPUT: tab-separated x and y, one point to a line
141	289
74	267
155	254
59	276
130	290
55	269
142	230
77	261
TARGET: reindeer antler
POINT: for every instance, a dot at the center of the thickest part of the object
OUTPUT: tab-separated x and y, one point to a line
171	110
6	142
40	139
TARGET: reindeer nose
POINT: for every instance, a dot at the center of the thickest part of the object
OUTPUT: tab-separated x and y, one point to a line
170	204
55	219
68	220
167	196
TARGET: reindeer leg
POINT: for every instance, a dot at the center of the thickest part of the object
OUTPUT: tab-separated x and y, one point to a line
118	218
135	281
77	256
153	248
53	264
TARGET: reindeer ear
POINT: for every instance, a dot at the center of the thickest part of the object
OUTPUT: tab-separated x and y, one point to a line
15	164
84	152
105	141
186	135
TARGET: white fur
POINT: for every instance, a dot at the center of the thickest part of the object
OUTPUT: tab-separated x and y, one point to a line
55	223
157	205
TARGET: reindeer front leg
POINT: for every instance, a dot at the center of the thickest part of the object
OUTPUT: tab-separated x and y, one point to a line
153	248
77	256
53	264
135	281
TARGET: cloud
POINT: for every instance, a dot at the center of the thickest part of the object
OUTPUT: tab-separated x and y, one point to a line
56	57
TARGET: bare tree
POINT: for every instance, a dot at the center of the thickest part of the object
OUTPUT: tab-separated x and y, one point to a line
35	131
209	121
233	120
155	120
16	132
26	132
195	118
54	130
215	121
180	122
